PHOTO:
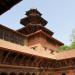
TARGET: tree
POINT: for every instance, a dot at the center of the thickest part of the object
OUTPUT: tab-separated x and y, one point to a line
73	39
64	48
72	46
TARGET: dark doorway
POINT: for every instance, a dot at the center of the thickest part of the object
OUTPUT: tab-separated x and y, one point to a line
12	73
63	73
3	73
33	74
21	74
28	74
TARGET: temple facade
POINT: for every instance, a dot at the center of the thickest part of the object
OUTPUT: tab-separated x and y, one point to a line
32	50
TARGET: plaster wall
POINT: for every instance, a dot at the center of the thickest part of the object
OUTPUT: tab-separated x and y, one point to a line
43	41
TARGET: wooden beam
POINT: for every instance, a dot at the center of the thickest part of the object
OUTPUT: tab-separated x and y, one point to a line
6	57
13	61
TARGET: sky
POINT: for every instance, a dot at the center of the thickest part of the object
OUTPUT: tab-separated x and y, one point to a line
60	15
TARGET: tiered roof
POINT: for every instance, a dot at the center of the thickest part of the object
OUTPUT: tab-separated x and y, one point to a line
35	23
33	17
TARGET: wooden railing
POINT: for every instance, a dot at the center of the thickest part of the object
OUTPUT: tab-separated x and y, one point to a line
11	36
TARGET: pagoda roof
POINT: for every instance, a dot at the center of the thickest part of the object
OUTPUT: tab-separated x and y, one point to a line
27	20
33	28
33	11
50	38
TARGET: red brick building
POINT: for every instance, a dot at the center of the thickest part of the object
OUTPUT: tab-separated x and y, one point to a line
32	50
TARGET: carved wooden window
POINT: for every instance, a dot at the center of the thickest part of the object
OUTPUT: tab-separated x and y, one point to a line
57	65
63	64
6	35
11	37
21	40
15	37
1	33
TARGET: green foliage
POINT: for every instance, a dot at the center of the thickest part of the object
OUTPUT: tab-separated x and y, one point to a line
73	39
64	48
72	46
73	36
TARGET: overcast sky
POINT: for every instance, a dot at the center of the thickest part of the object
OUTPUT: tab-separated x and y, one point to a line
60	15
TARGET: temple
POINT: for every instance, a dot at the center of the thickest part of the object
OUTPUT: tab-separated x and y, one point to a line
5	5
32	50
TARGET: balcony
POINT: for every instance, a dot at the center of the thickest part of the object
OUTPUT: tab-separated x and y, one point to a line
9	35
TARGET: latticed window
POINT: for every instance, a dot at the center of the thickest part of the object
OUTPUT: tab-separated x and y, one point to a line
6	35
16	38
1	33
57	65
63	63
11	36
21	40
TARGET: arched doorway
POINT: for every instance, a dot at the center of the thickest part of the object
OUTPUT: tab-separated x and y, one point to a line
3	73
12	73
